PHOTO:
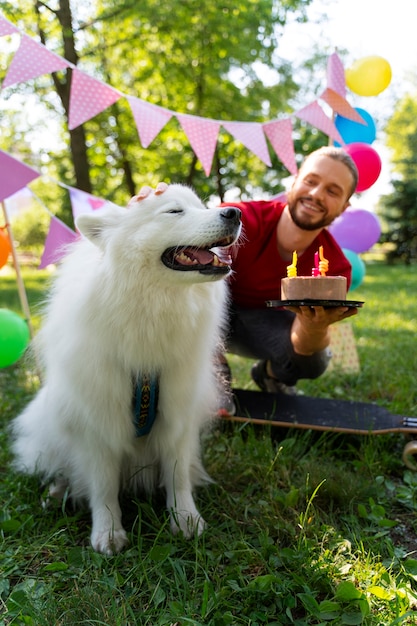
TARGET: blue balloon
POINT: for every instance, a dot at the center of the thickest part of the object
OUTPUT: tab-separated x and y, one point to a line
353	132
358	268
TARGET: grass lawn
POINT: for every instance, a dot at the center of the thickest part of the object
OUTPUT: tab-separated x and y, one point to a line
304	528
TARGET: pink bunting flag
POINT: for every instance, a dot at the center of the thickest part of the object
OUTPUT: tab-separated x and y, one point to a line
279	133
282	196
341	106
14	175
83	202
202	134
6	27
58	238
88	97
252	136
149	119
336	74
314	115
31	60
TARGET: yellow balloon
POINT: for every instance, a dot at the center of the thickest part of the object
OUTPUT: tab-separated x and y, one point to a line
369	76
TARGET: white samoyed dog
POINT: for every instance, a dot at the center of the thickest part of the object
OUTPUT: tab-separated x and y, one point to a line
128	341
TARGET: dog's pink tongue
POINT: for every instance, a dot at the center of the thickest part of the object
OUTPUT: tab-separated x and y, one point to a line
196	255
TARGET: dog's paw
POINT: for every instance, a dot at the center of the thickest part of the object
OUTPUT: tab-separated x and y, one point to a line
109	541
188	524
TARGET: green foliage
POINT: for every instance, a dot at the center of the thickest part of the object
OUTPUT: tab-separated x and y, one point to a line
30	228
398	210
304	529
401	137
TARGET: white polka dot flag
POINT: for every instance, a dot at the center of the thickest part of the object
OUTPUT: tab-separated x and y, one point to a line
149	119
6	28
32	59
202	134
252	136
314	115
336	75
88	98
341	106
14	175
279	133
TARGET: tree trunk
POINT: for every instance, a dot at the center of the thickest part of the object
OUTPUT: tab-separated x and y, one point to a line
78	145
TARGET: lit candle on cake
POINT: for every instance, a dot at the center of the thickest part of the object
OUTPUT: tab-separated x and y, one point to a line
292	269
318	287
324	263
315	271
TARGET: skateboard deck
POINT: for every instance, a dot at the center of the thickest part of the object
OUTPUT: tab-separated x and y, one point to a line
323	414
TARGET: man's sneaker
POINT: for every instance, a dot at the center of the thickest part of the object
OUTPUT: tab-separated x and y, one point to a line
268	383
226	404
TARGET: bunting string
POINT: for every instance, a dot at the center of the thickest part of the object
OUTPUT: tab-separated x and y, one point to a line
90	96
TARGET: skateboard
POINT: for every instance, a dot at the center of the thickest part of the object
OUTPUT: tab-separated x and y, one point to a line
323	414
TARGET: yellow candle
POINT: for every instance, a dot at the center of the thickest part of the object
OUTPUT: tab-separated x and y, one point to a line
323	263
292	269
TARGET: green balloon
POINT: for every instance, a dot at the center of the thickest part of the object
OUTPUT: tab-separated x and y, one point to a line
358	268
14	337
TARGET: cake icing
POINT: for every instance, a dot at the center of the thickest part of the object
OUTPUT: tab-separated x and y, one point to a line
314	288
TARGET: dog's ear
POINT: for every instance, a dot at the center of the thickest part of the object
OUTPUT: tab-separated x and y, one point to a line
95	225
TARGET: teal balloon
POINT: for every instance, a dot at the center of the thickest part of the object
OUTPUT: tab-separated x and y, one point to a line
352	132
14	337
358	268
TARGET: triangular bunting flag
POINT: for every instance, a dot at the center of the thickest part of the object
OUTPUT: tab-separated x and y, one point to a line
83	202
19	201
202	134
252	136
88	98
6	27
31	60
341	106
314	115
149	119
282	196
279	134
59	236
336	74
14	175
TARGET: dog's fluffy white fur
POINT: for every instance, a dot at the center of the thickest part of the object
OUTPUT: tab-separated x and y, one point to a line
120	308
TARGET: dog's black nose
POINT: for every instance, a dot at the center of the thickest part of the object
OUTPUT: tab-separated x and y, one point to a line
231	213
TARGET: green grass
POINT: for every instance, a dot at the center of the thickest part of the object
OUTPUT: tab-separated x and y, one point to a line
304	528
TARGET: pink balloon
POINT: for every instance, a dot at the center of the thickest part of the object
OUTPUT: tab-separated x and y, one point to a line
356	229
367	161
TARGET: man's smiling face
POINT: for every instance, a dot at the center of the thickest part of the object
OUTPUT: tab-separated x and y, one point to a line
320	192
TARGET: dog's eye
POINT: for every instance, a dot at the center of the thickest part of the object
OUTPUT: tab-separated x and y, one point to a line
175	211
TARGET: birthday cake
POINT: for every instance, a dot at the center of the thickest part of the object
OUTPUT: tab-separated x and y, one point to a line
315	287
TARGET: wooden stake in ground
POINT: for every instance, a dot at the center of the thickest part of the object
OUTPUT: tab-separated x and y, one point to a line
20	284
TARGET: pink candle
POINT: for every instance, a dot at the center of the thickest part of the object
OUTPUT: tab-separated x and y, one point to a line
315	271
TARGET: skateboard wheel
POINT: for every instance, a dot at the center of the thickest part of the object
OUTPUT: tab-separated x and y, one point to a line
409	452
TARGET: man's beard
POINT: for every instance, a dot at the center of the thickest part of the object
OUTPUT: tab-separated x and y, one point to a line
306	224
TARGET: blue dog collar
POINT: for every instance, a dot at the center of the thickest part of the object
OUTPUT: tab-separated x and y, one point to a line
145	404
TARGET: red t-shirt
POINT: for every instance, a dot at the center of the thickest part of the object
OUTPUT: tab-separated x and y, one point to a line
257	265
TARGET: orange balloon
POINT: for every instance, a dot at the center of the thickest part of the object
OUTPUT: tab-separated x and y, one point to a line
5	247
